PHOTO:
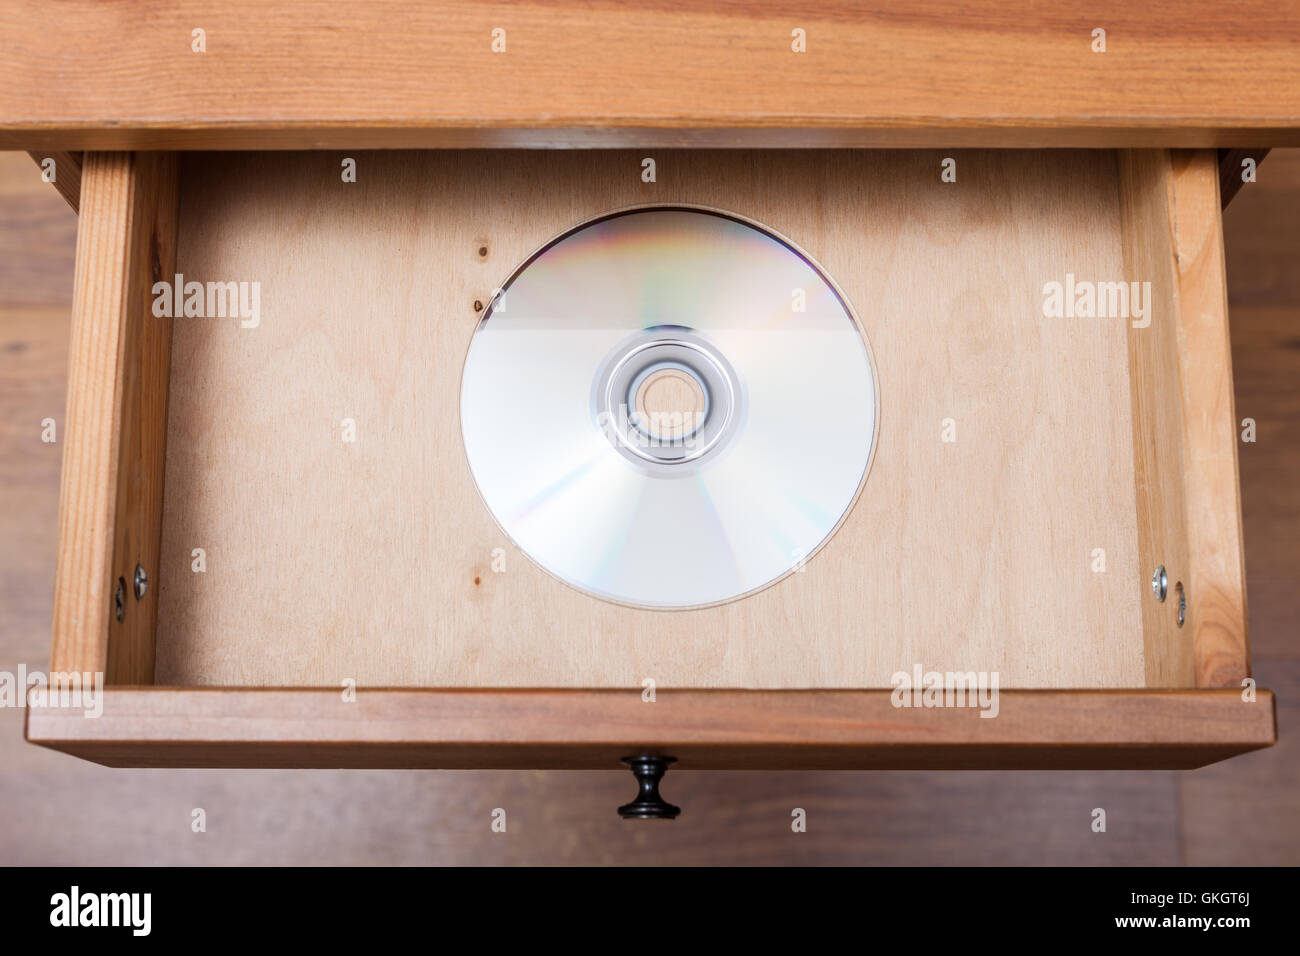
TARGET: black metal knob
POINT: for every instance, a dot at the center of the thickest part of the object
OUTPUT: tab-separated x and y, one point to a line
648	805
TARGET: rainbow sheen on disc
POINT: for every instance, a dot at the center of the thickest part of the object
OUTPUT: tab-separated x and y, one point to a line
668	407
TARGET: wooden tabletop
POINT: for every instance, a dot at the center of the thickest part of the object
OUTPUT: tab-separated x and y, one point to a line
396	73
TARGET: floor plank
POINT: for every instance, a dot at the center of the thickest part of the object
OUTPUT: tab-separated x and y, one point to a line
1246	811
1262	236
1266	369
444	817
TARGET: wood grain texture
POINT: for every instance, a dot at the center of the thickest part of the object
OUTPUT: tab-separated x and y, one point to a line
1242	812
66	172
110	505
1266	374
372	560
1184	423
38	237
37	240
589	729
1246	812
566	817
33	366
1217	590
1260	240
1260	256
1156	391
85	75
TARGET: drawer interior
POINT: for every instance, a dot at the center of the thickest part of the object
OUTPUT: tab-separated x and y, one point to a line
1025	547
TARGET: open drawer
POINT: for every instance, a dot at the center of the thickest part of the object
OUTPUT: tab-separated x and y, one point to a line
272	548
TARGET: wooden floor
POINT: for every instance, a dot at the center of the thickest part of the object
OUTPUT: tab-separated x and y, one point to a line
58	810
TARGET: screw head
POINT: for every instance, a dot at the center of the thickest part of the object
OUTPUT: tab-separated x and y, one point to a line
1160	584
141	582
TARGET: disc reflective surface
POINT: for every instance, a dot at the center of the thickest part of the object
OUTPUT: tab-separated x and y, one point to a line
668	407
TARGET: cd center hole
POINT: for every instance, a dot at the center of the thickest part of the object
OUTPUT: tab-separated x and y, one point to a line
671	403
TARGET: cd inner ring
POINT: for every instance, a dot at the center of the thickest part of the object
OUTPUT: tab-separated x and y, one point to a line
665	399
669	401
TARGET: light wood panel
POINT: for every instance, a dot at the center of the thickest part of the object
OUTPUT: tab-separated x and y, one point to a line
86	75
372	561
110	503
724	730
1217	590
1156	391
1185	428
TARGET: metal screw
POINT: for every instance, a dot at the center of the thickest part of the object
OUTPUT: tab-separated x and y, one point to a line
1182	603
119	599
1160	584
141	582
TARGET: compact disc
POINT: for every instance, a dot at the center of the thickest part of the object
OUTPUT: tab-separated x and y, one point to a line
668	407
